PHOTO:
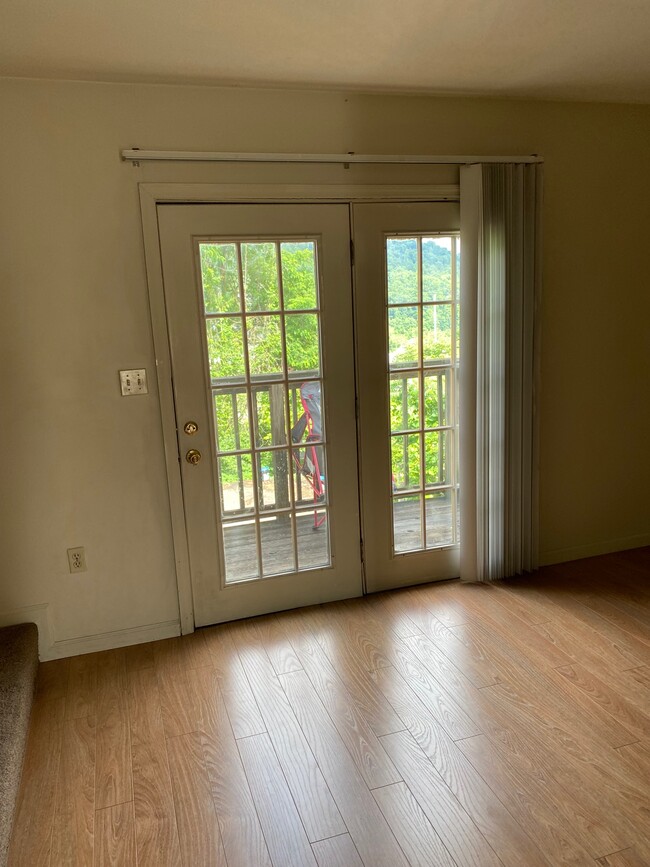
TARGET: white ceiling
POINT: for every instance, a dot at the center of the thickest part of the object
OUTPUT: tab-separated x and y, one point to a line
566	49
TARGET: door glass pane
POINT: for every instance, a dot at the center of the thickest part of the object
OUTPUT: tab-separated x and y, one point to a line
240	550
403	336
260	275
307	416
407	523
278	549
220	278
402	270
404	402
439	513
231	420
405	452
264	339
435	398
236	477
299	275
436	269
313	542
273	479
225	348
309	476
422	325
302	344
270	430
436	458
436	333
269	415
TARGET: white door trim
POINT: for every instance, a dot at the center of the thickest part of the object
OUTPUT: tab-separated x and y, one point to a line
153	194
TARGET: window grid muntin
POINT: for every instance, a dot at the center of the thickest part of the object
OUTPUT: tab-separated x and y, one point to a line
290	384
451	397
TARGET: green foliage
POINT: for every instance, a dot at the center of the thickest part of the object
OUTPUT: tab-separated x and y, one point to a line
219	275
260	276
261	286
302	342
225	348
402	265
264	336
231	413
299	275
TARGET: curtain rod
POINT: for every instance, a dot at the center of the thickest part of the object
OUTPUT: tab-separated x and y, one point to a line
136	156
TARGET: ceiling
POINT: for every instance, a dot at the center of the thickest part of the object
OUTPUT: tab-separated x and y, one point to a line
559	49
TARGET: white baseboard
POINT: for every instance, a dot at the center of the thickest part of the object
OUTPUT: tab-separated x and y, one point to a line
563	555
111	640
50	649
32	614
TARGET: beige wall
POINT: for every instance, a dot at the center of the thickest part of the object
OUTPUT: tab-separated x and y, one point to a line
83	466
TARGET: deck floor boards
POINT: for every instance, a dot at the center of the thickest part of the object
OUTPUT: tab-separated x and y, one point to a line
277	547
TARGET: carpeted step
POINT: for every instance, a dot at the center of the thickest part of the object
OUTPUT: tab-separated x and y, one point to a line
18	667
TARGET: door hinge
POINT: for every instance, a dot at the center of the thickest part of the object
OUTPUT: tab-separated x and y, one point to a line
351	252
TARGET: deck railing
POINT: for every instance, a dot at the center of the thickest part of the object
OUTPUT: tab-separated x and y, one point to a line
442	377
279	471
276	451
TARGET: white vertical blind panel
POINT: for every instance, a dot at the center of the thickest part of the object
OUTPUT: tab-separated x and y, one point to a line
471	199
515	375
500	217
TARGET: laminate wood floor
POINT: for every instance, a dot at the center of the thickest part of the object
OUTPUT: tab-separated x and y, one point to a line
448	725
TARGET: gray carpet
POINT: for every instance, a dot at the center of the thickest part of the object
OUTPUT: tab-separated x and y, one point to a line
18	666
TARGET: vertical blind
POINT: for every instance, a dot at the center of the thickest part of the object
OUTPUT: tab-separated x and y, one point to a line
499	369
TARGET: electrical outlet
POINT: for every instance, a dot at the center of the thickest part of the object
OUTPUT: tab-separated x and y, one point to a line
77	560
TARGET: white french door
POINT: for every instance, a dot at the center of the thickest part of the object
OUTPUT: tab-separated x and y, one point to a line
258	304
271	412
407	323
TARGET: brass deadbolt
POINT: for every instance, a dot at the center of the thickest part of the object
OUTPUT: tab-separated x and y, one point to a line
190	427
193	456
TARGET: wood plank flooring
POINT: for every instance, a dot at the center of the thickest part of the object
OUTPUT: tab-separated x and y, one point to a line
449	725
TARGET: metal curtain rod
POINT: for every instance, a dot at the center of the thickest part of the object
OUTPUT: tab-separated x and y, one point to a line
136	156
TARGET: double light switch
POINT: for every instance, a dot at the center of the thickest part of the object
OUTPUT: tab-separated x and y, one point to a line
133	382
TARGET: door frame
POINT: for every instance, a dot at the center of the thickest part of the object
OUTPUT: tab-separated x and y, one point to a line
153	194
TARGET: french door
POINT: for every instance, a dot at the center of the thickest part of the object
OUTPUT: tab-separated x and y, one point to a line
407	322
305	441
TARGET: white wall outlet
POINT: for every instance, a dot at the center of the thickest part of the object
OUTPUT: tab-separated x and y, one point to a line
133	382
77	559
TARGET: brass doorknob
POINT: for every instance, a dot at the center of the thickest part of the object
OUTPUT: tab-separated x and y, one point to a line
193	456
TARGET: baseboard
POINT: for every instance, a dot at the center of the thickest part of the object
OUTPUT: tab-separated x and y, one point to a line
563	555
111	640
32	614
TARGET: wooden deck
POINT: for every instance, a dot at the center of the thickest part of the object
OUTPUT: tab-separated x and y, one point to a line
449	725
241	549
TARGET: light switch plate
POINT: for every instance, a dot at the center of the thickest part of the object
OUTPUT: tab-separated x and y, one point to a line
133	382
